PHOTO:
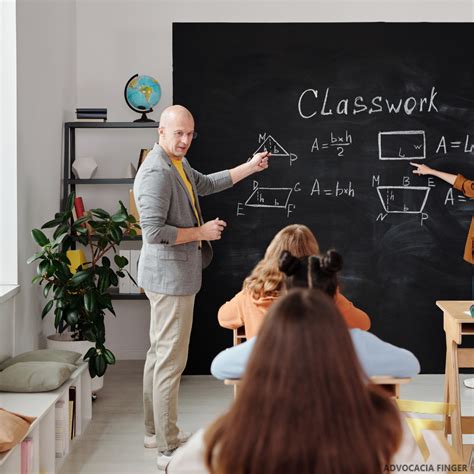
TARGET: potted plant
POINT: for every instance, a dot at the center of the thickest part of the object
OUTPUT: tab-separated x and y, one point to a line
80	296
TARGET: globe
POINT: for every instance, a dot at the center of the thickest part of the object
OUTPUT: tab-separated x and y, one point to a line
142	93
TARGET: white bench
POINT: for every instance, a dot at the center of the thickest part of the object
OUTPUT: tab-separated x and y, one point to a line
43	430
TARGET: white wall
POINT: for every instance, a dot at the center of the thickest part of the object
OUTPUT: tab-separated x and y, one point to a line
80	53
46	72
117	39
7	316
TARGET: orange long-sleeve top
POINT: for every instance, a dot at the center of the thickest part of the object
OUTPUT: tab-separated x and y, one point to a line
466	186
245	310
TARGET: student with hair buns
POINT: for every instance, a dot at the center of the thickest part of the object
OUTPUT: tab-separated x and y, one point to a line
264	284
305	406
375	356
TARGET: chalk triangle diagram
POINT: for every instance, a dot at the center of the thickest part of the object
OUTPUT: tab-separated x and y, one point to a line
271	145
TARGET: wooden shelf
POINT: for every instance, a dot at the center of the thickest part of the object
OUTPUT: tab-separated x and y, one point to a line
43	429
127	296
138	238
112	124
101	181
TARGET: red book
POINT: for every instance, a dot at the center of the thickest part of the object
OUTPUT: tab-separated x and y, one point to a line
79	207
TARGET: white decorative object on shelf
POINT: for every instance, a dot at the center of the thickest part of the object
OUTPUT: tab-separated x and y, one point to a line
131	171
84	167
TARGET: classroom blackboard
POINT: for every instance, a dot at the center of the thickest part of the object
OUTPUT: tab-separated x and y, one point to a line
343	107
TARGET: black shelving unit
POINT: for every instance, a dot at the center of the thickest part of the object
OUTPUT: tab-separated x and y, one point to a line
127	296
70	182
100	181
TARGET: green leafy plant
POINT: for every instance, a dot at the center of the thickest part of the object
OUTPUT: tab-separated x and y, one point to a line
81	299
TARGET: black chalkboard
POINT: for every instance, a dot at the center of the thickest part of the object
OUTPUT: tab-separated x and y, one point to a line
343	107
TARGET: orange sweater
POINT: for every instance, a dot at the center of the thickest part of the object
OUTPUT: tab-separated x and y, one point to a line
466	186
244	310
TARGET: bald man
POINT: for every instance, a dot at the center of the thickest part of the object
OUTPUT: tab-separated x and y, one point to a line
175	250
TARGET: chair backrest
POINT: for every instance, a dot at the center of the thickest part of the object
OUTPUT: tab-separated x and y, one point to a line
239	335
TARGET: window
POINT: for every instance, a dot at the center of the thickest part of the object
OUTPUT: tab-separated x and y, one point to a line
8	145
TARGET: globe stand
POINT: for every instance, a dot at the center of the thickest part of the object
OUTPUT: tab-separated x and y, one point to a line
144	118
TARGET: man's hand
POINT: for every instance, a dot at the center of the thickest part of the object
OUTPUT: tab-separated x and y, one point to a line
212	230
259	161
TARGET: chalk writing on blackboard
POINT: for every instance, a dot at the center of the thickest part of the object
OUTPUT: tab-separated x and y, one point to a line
403	199
402	145
268	143
338	141
452	197
269	197
337	190
443	145
309	104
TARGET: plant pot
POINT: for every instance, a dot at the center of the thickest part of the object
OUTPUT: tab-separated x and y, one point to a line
65	342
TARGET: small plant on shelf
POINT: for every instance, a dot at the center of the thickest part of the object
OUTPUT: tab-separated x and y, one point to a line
80	296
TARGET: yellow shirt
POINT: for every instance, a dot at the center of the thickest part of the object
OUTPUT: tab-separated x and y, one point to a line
179	167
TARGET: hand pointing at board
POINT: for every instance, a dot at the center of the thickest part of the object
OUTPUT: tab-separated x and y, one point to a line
426	170
257	163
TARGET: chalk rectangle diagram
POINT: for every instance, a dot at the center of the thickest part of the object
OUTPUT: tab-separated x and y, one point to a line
402	145
403	199
269	197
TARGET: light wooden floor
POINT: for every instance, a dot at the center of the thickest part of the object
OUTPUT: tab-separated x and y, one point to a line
113	441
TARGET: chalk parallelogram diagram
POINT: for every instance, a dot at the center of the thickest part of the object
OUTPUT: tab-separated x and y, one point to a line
269	197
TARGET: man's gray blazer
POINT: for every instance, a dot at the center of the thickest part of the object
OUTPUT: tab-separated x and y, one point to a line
164	205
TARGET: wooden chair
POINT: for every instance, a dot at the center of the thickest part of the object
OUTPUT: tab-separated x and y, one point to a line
239	335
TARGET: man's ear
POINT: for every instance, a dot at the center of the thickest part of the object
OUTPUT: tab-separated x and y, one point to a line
161	131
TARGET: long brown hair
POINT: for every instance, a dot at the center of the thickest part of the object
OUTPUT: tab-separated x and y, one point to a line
266	279
304	405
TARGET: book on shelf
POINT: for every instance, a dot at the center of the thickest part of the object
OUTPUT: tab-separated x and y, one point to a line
79	211
77	258
89	110
60	429
27	456
125	284
72	412
133	209
79	206
134	256
141	157
91	116
91	120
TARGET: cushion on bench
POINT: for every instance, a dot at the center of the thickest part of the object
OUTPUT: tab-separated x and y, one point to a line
51	355
35	376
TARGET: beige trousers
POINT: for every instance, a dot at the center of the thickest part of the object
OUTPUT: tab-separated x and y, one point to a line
170	329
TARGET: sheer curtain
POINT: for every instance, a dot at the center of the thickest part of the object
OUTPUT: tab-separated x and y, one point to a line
8	145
